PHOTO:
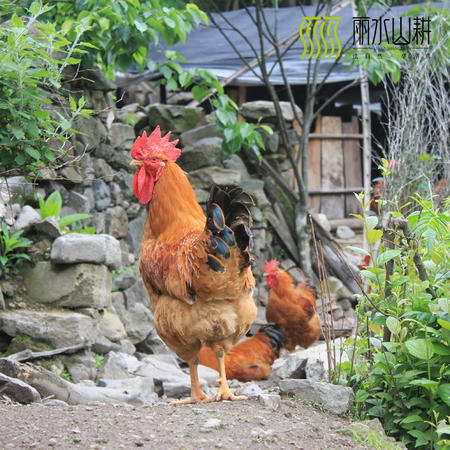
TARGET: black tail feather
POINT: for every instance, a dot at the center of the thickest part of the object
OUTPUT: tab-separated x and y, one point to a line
229	221
275	333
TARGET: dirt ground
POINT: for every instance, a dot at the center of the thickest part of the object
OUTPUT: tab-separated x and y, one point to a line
228	425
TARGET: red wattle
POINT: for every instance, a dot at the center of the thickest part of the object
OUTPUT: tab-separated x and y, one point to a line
143	185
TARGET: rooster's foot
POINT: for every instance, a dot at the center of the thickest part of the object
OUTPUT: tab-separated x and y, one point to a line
198	397
226	394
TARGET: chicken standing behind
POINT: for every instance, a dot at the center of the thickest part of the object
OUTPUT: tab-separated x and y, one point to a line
291	307
250	359
196	268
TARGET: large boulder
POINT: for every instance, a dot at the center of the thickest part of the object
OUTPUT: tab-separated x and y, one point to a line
256	189
102	194
15	190
207	176
76	248
205	152
175	118
334	398
265	110
28	217
121	136
116	222
135	232
136	317
110	325
57	329
18	390
73	286
190	137
118	159
94	132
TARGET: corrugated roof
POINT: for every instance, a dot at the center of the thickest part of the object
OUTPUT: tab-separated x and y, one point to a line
206	48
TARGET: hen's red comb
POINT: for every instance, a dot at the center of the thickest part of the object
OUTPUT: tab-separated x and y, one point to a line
144	146
271	266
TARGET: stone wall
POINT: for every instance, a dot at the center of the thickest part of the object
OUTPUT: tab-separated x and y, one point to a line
86	289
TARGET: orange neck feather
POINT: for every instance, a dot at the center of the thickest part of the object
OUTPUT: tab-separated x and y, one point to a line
174	209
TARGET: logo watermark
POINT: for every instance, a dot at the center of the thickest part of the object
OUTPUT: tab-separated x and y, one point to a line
323	30
399	31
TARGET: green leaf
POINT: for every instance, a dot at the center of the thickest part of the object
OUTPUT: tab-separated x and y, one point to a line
386	256
444	304
441	349
414	11
393	324
357	250
267	129
71	218
246	130
199	93
444	392
222	117
399	281
41	114
412	418
421	438
430	237
140	26
52	206
444	324
35	154
420	348
369	275
424	382
18	132
361	396
73	104
16	22
371	222
229	134
374	236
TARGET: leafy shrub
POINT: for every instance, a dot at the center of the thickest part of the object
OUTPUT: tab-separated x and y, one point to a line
32	58
399	362
119	31
52	207
11	250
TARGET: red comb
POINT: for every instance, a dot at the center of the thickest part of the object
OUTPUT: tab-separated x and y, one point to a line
271	266
144	146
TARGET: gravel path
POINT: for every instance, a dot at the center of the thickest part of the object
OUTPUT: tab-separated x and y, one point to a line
228	425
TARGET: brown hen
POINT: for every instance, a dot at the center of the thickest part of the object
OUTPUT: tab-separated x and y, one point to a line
291	307
250	359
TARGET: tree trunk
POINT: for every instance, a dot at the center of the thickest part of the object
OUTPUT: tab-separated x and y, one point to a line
303	239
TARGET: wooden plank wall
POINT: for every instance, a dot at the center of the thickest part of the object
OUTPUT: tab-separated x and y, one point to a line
353	173
334	164
315	169
332	205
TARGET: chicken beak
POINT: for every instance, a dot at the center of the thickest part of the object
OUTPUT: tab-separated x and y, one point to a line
265	275
136	163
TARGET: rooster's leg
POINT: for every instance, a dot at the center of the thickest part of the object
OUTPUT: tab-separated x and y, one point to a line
197	395
224	392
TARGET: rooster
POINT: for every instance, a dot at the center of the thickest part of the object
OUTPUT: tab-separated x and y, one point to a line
291	307
196	268
250	359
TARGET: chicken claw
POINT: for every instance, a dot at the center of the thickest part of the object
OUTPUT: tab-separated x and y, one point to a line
197	395
224	392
